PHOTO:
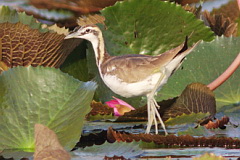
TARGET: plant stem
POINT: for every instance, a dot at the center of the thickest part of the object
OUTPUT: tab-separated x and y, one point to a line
225	75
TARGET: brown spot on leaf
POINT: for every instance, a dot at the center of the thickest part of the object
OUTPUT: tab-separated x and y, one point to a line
47	145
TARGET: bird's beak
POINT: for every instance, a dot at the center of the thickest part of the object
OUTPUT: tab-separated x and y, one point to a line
72	35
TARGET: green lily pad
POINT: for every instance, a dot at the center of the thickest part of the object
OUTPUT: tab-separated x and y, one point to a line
186	118
150	27
199	131
204	64
76	63
30	95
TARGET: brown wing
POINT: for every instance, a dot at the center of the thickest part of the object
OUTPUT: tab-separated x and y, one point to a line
130	68
133	68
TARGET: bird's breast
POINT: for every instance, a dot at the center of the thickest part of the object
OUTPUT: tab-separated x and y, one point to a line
125	89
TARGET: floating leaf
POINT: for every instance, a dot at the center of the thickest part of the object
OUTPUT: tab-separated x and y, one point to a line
186	118
91	139
128	150
204	64
31	95
172	140
47	145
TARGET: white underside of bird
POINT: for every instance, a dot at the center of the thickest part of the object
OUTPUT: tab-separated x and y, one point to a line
143	87
148	86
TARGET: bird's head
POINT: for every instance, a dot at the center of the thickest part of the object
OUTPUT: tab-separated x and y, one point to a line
88	32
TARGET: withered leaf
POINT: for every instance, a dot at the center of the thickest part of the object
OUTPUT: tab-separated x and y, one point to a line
196	97
230	10
79	6
172	140
195	10
25	41
220	25
24	46
99	109
47	146
90	19
219	123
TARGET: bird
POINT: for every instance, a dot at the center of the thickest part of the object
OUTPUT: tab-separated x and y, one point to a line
132	75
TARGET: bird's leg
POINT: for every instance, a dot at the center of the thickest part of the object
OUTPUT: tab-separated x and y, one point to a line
150	117
152	108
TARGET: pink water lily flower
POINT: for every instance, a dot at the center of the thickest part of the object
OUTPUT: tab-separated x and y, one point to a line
119	106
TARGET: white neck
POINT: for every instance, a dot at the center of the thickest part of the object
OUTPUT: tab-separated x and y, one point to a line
99	48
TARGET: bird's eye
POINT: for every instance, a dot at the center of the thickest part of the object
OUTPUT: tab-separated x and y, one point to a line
87	30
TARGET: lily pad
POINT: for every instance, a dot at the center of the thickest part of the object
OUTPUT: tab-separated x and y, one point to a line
186	118
204	64
128	150
31	95
150	27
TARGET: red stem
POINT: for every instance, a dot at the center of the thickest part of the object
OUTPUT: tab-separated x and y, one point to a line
228	72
